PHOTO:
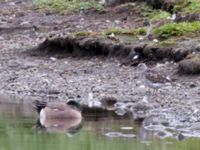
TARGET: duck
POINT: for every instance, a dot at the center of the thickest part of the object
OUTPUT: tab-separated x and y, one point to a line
51	111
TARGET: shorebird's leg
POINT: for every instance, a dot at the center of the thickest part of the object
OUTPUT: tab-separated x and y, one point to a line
155	91
148	91
152	91
159	91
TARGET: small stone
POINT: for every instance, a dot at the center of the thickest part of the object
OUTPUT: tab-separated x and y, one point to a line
25	23
53	58
141	38
145	99
173	17
12	3
155	40
1	38
120	112
141	87
180	137
117	21
70	81
82	19
192	85
102	2
135	57
97	104
168	18
112	35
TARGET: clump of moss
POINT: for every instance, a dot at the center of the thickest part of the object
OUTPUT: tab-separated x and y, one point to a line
188	7
141	31
66	5
167	43
119	31
180	5
177	29
116	31
157	15
193	7
82	33
190	66
86	33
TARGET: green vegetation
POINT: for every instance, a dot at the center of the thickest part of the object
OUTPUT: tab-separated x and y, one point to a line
193	7
167	43
180	5
82	33
177	29
66	5
188	7
157	15
118	31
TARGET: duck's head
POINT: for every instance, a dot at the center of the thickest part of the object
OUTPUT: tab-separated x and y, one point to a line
74	104
142	67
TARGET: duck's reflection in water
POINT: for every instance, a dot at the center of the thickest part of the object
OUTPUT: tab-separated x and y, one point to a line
67	126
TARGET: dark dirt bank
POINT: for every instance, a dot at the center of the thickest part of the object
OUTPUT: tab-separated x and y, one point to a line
41	59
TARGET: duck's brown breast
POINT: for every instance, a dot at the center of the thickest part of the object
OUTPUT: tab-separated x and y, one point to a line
67	113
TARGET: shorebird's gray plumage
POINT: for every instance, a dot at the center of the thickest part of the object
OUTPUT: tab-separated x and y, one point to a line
151	78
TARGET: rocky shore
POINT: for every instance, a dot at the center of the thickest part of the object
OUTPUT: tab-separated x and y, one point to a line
56	57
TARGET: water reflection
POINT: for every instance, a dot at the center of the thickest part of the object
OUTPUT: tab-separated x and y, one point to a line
100	132
68	126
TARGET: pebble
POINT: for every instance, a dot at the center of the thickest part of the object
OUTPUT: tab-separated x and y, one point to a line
141	38
117	21
25	23
155	40
112	35
53	58
120	112
1	38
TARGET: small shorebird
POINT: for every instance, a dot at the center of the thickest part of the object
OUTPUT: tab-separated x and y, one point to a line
151	78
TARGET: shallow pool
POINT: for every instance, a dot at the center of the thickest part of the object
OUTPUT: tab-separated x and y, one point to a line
19	131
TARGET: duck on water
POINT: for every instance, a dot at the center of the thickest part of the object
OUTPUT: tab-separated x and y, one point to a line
51	113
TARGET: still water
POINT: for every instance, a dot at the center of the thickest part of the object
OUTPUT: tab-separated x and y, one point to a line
19	131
